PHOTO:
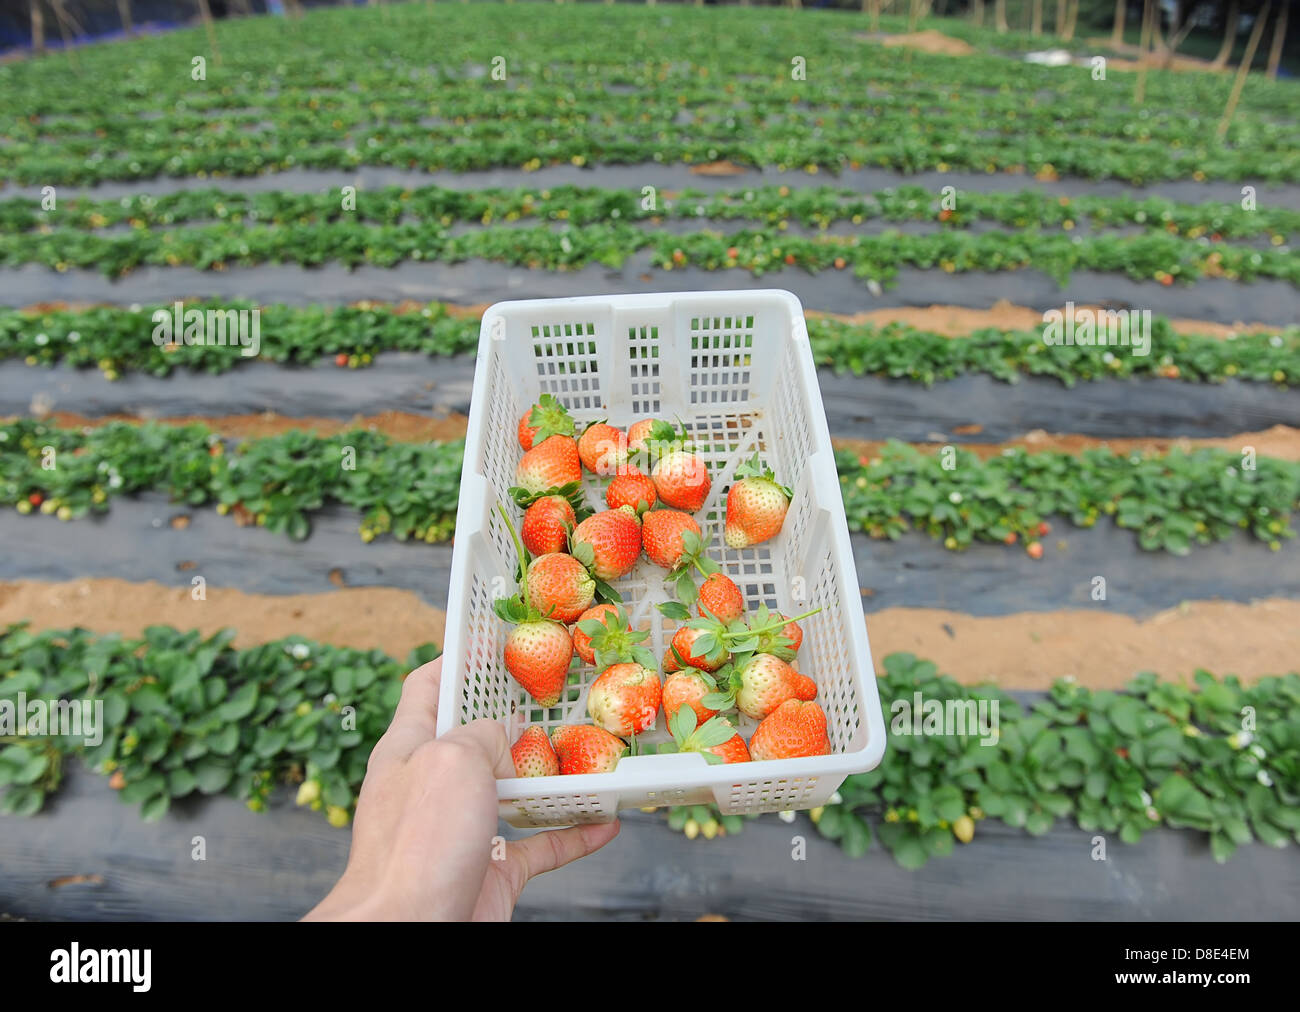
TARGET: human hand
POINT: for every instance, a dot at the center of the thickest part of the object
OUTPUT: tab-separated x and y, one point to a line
426	817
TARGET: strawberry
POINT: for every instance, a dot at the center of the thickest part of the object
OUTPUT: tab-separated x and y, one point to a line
784	642
683	641
602	448
720	597
795	729
687	688
682	480
716	739
631	488
547	524
608	543
624	698
584	748
559	586
762	683
680	476
533	754
544	419
663	536
671	663
581	639
537	655
551	466
638	434
538	649
756	505
609	638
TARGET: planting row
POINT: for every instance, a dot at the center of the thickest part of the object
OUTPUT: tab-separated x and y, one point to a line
119	340
813	207
461	89
184	715
1153	256
1173	501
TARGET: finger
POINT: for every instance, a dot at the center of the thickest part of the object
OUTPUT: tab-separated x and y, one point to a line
555	848
491	738
415	721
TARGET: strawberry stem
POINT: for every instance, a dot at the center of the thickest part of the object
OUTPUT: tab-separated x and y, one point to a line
781	623
519	551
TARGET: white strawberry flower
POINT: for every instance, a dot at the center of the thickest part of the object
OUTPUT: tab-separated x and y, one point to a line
954	497
300	651
1263	777
42	339
787	816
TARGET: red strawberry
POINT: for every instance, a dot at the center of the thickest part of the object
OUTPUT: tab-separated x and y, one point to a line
608	543
631	488
603	448
756	505
533	754
684	639
766	682
638	434
687	688
793	730
584	748
610	639
716	739
624	698
559	586
720	596
547	524
544	419
670	662
661	536
582	641
36	498
538	649
537	655
552	463
682	480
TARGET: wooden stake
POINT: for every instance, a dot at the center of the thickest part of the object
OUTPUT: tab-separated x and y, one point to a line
1117	31
1279	36
124	15
1229	35
206	12
1252	43
38	28
1144	39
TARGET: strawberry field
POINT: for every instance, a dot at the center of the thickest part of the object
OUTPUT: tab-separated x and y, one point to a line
241	547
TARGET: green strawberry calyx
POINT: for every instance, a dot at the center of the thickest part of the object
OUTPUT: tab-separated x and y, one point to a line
754	469
687	737
550	418
612	642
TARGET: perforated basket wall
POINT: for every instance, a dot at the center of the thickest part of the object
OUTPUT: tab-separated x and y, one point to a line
736	369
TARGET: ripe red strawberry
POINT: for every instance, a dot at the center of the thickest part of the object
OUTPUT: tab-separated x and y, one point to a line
547	524
559	586
687	688
720	597
585	748
537	655
661	536
550	464
766	682
533	754
756	505
631	488
624	698
795	729
638	434
538	649
544	419
683	641
581	640
716	739
682	480
608	543
603	448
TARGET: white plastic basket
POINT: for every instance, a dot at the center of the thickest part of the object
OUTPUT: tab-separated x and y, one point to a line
736	369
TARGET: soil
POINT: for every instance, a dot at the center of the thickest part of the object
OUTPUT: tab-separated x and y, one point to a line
958	321
1025	651
401	426
364	617
928	41
1281	441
